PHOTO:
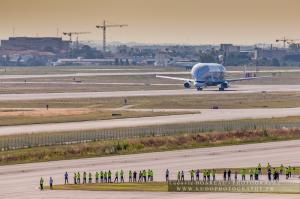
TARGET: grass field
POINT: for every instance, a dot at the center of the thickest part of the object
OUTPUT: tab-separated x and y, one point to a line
11	117
150	186
39	70
144	144
255	100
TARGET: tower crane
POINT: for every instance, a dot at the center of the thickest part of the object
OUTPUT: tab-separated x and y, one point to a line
70	34
285	40
103	27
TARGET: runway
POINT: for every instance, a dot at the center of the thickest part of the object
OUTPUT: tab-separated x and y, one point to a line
21	181
233	90
91	74
205	115
133	72
92	83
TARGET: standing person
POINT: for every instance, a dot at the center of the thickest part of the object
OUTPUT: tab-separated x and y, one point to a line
225	175
152	175
269	174
182	176
208	174
213	174
105	177
122	175
243	173
144	173
84	177
130	176
178	176
116	177
235	175
75	178
268	166
229	175
109	176
274	174
51	183
149	175
290	171
42	184
140	176
198	174
101	176
97	177
78	178
66	178
167	175
281	169
259	169
90	177
286	173
204	175
251	174
192	174
256	174
134	176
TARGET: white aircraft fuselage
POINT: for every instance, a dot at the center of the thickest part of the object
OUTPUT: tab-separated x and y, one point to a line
208	74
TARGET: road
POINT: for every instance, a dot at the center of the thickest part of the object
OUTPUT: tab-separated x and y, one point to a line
208	91
205	115
21	181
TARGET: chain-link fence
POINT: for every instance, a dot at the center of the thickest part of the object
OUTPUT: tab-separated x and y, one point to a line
48	139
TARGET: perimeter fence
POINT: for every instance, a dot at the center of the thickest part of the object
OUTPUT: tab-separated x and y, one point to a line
63	138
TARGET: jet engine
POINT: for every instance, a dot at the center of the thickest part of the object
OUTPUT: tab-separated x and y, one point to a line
187	85
225	85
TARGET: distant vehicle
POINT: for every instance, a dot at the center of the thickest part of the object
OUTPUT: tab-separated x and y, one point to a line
208	74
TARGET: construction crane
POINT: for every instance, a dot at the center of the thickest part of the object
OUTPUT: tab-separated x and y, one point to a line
70	34
103	27
285	40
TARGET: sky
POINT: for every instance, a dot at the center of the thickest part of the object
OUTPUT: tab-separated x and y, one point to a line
155	21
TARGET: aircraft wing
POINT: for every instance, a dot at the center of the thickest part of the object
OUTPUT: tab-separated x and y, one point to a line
247	78
175	78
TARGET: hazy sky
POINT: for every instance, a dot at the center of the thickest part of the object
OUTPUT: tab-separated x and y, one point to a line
156	21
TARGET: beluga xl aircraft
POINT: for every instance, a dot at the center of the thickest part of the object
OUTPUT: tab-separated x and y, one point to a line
208	74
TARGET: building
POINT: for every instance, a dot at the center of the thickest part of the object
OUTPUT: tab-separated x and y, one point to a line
229	48
273	53
42	44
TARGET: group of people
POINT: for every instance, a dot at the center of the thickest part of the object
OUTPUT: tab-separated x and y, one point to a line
42	183
228	174
107	177
274	173
207	174
195	175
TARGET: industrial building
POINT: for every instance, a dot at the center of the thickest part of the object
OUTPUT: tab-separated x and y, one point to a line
43	44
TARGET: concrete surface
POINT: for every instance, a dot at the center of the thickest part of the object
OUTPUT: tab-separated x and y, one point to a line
205	115
210	90
21	181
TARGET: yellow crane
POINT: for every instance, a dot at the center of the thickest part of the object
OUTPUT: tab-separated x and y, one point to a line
103	27
285	41
70	34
